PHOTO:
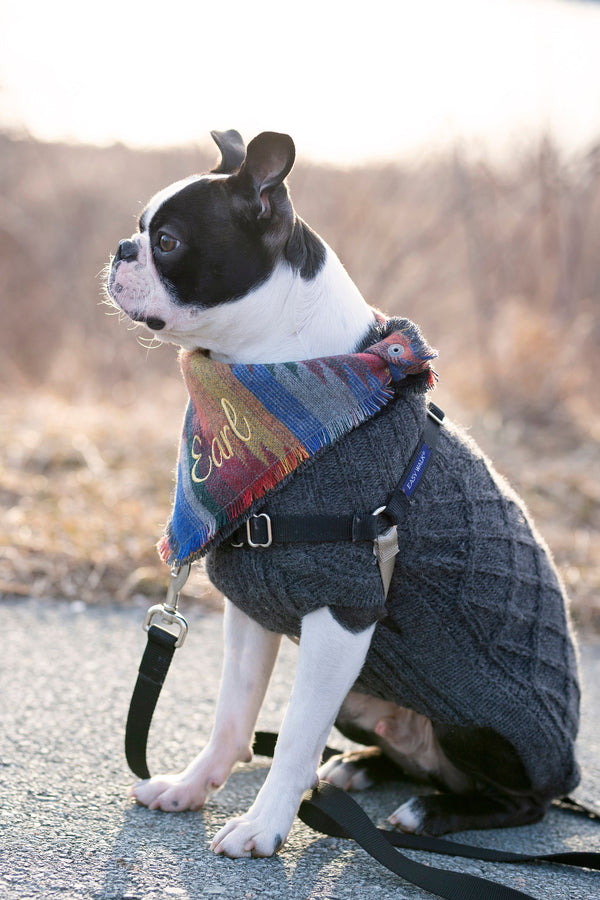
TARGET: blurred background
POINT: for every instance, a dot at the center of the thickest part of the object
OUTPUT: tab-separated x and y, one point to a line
450	154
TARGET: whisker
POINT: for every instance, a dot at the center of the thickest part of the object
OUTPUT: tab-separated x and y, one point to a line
150	343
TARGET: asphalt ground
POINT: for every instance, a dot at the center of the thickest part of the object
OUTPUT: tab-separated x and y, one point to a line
67	829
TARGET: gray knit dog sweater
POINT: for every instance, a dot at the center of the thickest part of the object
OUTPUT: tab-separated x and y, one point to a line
475	630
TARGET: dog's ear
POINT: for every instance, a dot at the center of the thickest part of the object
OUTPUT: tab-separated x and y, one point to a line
233	151
269	158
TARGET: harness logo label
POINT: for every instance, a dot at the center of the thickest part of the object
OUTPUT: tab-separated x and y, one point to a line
417	469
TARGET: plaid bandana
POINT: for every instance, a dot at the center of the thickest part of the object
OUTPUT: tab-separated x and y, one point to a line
248	427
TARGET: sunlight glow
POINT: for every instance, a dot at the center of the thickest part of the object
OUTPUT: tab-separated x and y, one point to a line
348	82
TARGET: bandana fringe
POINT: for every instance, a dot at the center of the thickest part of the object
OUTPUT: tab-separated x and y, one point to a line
269	480
267	411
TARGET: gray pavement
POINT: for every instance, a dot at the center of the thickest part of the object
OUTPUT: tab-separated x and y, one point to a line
67	830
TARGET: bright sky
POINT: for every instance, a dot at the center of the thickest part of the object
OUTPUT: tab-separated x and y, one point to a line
349	81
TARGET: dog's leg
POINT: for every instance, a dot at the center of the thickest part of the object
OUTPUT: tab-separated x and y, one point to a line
250	653
444	813
504	796
329	661
402	739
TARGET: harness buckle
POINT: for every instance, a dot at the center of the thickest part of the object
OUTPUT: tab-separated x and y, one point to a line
269	534
435	413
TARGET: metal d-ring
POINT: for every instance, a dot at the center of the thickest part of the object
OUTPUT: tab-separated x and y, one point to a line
269	540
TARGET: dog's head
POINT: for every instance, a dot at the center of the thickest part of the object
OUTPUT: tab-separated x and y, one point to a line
207	240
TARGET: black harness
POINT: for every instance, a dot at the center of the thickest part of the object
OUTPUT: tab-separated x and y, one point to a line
262	530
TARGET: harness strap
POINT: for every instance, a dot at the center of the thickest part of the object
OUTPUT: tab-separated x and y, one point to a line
262	529
399	503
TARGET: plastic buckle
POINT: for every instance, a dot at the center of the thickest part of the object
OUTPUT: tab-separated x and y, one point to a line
435	413
385	548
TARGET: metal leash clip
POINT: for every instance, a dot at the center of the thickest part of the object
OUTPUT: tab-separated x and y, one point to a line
168	610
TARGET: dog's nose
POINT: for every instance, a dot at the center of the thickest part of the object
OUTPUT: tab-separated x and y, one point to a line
155	324
127	251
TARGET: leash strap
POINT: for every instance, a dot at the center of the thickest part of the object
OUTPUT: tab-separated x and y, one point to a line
160	647
152	673
332	811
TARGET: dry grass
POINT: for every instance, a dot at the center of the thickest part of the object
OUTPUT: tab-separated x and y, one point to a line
86	488
498	267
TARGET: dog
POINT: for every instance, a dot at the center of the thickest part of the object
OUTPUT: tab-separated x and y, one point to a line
479	699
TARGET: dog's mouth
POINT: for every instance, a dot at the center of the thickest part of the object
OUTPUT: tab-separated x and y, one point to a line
153	323
129	289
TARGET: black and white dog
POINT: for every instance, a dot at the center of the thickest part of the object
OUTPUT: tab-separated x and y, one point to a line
222	262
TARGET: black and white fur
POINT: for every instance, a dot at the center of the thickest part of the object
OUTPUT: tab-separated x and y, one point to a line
222	262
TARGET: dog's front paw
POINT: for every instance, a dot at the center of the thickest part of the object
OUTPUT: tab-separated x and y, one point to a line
248	836
183	790
261	831
171	793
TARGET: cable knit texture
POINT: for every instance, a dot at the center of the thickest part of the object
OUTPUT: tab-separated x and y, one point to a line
476	631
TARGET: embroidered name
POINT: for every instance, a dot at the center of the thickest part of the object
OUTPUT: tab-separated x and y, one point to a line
221	448
417	469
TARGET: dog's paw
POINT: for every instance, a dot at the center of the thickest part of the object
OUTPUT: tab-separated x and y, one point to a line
250	835
410	817
171	793
351	771
183	790
359	770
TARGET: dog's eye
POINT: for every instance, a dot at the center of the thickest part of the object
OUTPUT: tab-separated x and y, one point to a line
167	243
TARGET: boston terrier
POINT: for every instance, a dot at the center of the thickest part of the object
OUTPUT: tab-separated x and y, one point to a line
221	262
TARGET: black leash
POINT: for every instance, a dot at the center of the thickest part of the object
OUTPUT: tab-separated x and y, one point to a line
330	810
152	673
160	647
333	812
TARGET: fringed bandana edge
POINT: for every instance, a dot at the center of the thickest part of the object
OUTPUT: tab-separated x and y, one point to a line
248	427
